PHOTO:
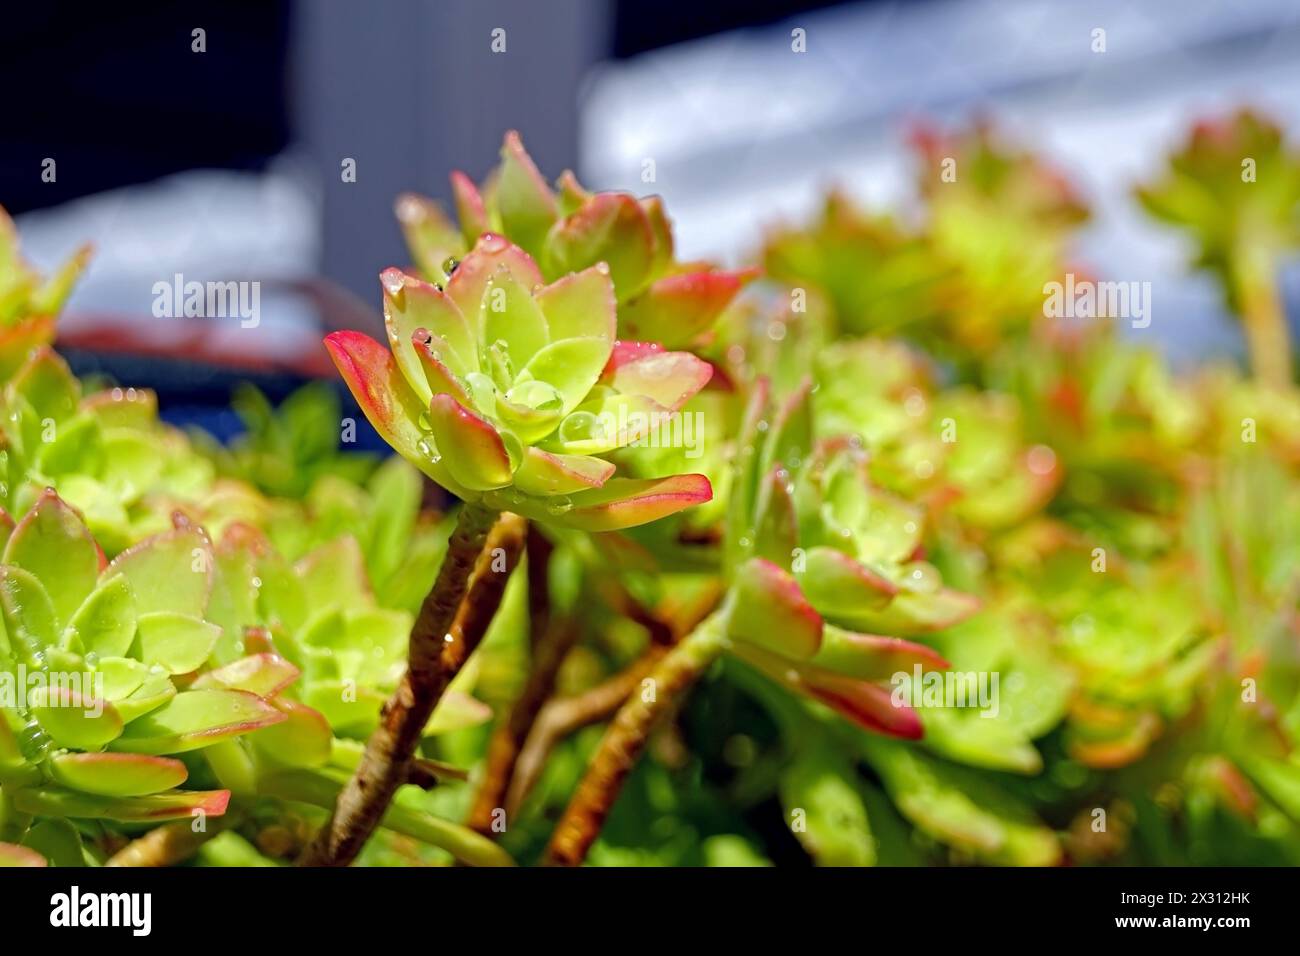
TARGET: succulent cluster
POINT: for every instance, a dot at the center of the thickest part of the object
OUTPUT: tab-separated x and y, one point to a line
770	536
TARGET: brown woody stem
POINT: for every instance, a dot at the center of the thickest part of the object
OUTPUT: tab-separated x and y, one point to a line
564	716
508	738
483	550
626	738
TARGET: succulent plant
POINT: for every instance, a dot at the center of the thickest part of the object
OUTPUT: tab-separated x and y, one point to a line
107	662
1235	187
507	392
568	230
29	303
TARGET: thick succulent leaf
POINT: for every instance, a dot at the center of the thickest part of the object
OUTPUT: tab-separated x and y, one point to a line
58	841
302	739
133	408
155	690
508	314
663	233
542	473
178	804
432	355
430	236
866	704
12	855
490	256
168	572
840	587
349	709
611	228
48	386
471	449
776	532
411	305
572	366
469	207
264	674
29	618
73	719
52	543
961	808
608	422
122	676
18	340
768	610
627	502
580	306
677	309
913	612
388	402
194	719
670	378
869	657
116	775
817	790
334	575
179	643
523	199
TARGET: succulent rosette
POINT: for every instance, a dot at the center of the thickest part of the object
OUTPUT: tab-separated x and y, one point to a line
111	696
569	229
29	302
833	626
509	392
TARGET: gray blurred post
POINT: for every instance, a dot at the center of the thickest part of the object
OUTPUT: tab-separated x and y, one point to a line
411	89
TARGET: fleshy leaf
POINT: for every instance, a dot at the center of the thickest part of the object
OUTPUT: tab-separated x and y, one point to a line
180	643
670	378
543	473
176	805
840	587
409	305
508	314
581	305
469	207
302	739
168	572
769	611
116	775
387	400
263	674
52	543
490	255
12	855
194	719
28	614
523	199
571	365
73	719
868	657
626	502
677	309
611	228
471	448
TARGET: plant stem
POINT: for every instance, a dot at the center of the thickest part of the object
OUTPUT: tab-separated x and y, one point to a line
1262	316
452	620
168	845
564	716
508	738
318	790
626	738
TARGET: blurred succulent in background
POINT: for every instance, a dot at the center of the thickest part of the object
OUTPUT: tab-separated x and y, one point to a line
568	230
507	392
29	303
1234	186
284	451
